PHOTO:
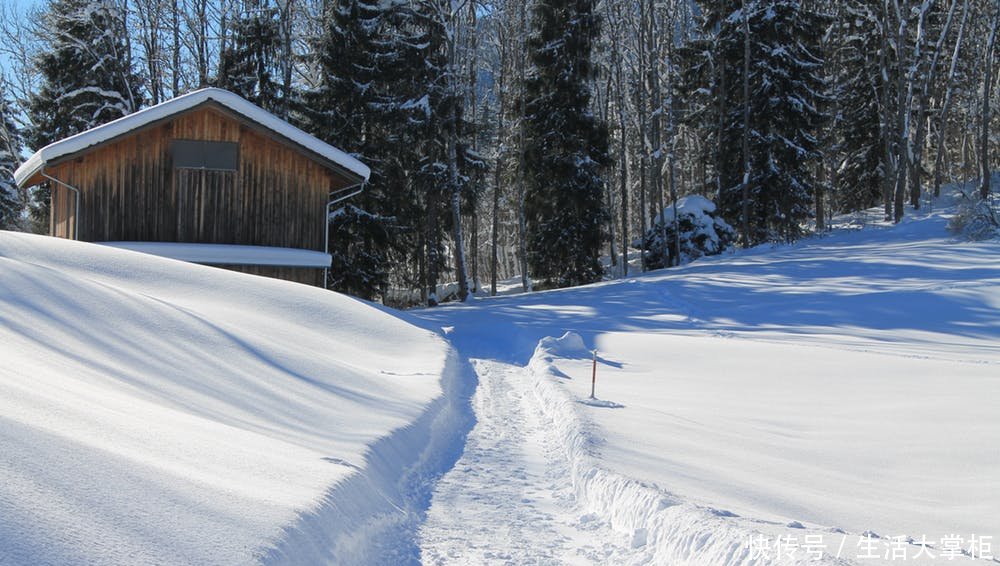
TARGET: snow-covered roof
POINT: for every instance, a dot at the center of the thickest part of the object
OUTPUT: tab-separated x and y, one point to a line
229	254
236	103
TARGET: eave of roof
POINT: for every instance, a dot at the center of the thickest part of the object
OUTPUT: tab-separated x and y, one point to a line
94	136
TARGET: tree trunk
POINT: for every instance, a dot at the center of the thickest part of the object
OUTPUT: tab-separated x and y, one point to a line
949	87
433	248
640	104
473	134
453	176
984	131
522	228
201	42
495	232
622	147
720	97
609	190
456	218
671	179
656	106
175	51
818	196
917	146
884	115
498	166
903	87
745	189
288	58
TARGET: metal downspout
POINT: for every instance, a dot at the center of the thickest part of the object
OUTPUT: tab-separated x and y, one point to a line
76	207
326	233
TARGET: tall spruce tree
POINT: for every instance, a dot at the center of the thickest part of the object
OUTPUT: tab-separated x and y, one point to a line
447	162
793	85
768	187
11	201
432	129
862	169
566	147
87	77
368	57
706	70
248	65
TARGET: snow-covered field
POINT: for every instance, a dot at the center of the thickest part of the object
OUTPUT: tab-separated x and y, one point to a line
776	405
846	384
157	412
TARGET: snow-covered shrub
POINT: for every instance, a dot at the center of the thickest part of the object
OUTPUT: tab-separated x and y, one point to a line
702	233
975	220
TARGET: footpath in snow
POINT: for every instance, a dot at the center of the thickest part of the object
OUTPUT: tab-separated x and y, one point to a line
509	499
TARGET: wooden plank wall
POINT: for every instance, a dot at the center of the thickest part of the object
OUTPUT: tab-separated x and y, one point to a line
60	216
130	190
306	275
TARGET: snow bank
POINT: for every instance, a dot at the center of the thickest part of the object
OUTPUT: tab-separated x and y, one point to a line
373	517
154	411
669	530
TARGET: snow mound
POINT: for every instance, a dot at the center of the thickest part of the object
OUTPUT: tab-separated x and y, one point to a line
154	411
702	233
691	204
569	345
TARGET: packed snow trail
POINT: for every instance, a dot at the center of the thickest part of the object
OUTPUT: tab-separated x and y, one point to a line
509	498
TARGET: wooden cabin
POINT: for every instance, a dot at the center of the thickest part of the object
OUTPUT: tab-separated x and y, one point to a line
223	181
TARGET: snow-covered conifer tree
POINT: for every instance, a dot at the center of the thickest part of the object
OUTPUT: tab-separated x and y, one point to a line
778	89
705	71
370	102
566	146
446	157
87	76
790	88
247	67
755	69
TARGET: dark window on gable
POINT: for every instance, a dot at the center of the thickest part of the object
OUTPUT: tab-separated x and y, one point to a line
199	154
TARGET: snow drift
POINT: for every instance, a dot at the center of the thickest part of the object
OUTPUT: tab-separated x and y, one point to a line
153	411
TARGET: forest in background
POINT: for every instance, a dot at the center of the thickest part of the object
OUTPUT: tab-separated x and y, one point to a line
531	137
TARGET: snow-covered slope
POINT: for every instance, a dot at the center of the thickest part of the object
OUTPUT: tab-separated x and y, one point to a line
844	384
157	412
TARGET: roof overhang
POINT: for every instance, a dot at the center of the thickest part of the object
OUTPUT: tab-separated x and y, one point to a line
30	172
